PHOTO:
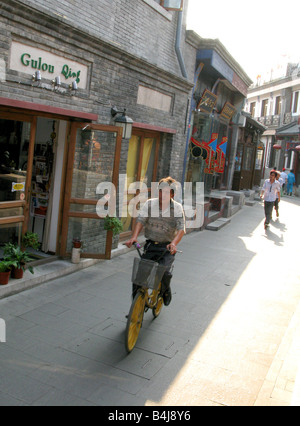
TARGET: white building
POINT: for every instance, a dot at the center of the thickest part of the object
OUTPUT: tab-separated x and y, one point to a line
276	104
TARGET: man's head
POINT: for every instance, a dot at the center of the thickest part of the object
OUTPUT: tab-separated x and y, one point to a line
167	188
273	175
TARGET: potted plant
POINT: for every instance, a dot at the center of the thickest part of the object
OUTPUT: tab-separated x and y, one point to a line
77	243
5	269
113	224
19	259
31	239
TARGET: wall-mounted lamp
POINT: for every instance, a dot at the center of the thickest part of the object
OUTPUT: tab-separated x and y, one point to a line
56	82
37	77
73	87
123	121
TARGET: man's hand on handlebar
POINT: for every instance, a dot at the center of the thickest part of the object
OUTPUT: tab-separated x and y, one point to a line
130	242
172	248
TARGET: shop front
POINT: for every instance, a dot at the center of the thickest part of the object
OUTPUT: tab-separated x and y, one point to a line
287	144
61	85
219	94
51	163
248	168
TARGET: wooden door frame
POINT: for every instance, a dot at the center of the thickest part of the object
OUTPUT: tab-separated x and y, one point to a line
6	114
67	213
144	134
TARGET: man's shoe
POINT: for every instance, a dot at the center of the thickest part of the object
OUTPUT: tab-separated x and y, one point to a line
167	297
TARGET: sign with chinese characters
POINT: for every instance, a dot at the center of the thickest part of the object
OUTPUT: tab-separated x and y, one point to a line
207	102
228	111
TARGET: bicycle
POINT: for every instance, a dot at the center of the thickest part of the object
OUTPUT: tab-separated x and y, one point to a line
147	274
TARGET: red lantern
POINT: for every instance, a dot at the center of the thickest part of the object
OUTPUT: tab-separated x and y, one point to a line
277	146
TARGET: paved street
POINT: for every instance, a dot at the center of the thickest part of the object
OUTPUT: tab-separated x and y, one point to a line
231	335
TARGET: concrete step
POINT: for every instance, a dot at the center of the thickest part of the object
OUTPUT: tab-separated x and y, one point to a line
250	203
42	274
218	224
235	208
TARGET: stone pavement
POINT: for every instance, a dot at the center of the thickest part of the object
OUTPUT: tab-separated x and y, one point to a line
231	335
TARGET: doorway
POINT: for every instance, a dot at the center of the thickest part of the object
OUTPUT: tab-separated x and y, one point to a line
46	182
31	168
142	164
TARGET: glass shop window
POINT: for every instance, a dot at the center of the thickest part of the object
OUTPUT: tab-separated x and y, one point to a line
14	144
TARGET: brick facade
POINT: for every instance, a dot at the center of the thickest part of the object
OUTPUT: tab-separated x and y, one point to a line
123	44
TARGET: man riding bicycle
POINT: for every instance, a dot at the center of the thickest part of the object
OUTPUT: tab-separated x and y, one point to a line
164	223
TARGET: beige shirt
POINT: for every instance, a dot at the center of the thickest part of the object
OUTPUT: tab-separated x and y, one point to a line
161	226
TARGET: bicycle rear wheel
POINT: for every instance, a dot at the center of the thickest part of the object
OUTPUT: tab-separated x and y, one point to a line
134	322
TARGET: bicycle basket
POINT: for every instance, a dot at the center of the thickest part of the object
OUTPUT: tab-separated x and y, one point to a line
147	273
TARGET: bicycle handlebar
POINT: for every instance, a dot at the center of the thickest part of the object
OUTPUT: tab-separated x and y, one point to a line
138	247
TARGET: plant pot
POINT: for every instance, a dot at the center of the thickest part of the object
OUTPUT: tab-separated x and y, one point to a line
17	273
4	277
76	243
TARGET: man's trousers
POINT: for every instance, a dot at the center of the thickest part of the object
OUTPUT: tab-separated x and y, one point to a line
268	211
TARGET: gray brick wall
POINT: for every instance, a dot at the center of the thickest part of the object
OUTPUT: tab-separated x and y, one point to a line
123	47
131	24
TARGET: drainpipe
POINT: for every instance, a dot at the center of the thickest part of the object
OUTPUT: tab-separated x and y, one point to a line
177	45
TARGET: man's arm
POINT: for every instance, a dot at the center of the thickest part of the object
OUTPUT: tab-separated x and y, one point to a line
137	229
263	190
173	246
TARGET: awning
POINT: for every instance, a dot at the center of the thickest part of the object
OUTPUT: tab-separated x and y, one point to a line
43	108
269	133
291	129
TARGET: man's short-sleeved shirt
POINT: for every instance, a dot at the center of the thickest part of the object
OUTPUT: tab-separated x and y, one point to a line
161	226
271	190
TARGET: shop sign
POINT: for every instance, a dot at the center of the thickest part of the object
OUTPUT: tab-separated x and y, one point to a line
207	102
28	59
221	155
18	186
228	111
207	151
292	145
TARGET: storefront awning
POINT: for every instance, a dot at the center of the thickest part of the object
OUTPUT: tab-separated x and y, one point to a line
292	129
40	108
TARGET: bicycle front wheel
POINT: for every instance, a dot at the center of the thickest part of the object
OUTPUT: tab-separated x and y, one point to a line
158	307
134	322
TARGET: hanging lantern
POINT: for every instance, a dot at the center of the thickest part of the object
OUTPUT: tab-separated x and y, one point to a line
277	146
